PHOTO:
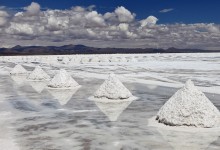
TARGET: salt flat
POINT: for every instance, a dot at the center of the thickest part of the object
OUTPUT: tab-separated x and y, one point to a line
38	119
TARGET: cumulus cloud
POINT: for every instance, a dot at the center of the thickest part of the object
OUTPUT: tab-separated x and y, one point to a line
84	25
124	15
166	10
3	17
149	21
33	9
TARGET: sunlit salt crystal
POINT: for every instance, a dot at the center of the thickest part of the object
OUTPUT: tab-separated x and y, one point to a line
38	74
63	80
112	88
18	69
189	107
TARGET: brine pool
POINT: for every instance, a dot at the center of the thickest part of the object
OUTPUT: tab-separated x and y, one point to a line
35	118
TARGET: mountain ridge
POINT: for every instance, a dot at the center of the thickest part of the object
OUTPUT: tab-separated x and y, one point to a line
82	49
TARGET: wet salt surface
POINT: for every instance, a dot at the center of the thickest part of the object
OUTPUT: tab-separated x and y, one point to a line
42	122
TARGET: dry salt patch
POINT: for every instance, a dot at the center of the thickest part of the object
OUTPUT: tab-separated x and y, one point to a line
38	74
188	107
63	80
112	89
18	70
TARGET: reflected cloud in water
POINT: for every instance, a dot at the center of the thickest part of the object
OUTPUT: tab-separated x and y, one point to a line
19	80
181	140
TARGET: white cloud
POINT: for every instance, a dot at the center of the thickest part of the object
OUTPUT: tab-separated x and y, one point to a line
149	21
166	10
3	17
81	25
33	9
124	15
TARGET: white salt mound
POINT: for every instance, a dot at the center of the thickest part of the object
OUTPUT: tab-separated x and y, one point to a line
65	60
112	88
18	69
38	74
189	107
63	80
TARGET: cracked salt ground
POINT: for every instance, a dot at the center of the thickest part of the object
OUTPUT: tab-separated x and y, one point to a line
41	122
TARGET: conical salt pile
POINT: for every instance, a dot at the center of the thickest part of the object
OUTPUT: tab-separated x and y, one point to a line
18	70
38	74
113	89
189	107
63	80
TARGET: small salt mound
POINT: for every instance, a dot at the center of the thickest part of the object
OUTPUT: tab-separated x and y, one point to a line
132	60
38	74
112	88
18	69
123	59
114	59
63	80
189	107
85	60
104	59
65	60
95	59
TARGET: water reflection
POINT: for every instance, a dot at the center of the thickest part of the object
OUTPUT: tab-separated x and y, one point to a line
112	108
180	140
38	86
62	95
19	80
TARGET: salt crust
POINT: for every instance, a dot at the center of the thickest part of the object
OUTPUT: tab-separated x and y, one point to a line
18	70
38	74
189	107
113	89
63	80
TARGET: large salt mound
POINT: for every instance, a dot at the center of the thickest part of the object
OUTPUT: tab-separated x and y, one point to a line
38	74
113	89
189	107
18	69
63	80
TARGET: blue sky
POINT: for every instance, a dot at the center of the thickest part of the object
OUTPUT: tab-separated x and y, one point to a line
184	11
111	23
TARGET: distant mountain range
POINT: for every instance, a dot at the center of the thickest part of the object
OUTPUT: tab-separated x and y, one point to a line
81	49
